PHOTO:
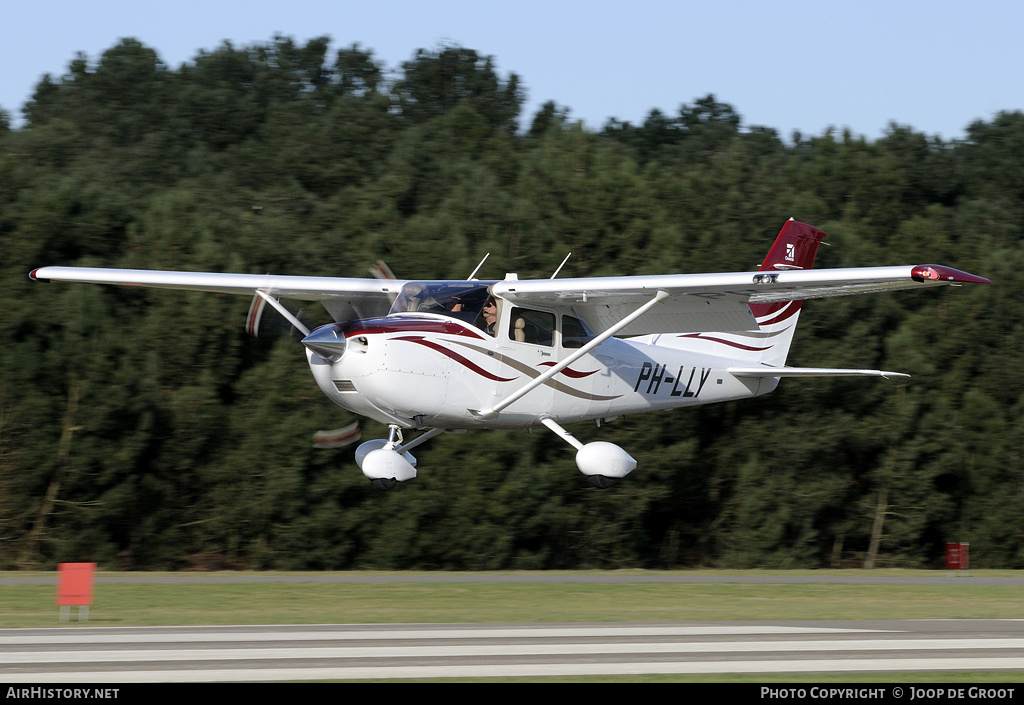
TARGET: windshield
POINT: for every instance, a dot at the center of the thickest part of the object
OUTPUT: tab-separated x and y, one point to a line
462	300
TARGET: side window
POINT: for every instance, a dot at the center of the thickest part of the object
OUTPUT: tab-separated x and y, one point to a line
574	333
527	326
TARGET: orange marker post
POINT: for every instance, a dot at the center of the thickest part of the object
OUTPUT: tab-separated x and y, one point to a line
74	587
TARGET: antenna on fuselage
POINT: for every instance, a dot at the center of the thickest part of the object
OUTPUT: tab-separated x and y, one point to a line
472	276
561	265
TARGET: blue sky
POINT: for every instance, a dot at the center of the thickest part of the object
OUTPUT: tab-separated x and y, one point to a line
934	65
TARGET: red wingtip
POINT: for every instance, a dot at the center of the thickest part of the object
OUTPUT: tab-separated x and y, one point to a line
938	272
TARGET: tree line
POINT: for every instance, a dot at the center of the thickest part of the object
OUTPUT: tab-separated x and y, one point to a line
143	429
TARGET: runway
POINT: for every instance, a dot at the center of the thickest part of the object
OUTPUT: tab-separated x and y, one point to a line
502	651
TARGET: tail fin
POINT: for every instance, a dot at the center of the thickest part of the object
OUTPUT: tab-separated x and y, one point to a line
794	248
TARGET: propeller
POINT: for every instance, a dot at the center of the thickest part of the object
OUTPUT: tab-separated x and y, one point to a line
338	437
252	321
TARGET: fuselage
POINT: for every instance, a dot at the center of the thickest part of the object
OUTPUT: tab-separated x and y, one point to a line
427	370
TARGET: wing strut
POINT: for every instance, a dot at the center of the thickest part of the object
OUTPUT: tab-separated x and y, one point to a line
541	379
283	311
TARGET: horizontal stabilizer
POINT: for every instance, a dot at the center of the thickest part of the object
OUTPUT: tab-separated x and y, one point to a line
808	372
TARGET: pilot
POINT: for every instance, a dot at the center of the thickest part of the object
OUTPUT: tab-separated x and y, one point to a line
490	315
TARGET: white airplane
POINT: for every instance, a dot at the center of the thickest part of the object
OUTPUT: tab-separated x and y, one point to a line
447	356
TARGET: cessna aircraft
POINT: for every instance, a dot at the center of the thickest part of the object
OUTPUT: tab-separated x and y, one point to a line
447	356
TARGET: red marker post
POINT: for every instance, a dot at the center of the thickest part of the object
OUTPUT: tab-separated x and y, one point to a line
74	587
957	557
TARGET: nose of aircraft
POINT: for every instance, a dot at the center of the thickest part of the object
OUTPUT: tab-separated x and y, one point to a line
327	341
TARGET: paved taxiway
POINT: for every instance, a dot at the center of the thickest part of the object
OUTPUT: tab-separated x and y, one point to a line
315	652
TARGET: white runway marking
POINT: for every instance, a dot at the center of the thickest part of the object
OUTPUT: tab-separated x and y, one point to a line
530	670
144	635
85	655
479	650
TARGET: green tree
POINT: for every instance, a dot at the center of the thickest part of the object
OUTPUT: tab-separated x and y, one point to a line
434	82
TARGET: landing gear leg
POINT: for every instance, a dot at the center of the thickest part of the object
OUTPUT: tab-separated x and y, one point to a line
394	437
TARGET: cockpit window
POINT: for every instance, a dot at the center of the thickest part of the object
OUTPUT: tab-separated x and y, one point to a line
462	300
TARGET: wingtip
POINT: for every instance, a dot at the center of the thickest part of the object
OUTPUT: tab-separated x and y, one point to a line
939	272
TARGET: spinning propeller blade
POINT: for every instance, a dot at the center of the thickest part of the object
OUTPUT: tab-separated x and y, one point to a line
252	321
337	437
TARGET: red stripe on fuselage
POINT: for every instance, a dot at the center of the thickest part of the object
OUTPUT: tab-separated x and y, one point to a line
454	356
723	341
569	372
407	324
780	311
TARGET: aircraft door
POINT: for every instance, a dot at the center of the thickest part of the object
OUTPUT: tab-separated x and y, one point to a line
528	345
584	384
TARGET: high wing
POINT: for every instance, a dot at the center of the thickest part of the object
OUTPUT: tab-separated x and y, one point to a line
343	298
695	303
713	302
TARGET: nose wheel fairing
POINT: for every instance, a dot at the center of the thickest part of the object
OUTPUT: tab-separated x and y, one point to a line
386	462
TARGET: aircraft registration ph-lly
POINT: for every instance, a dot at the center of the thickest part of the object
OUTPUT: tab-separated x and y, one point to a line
421	354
